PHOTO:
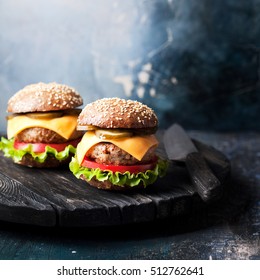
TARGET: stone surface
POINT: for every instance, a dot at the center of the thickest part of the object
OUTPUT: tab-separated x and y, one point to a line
194	62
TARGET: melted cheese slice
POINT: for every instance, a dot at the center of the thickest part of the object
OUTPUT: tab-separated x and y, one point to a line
136	146
64	125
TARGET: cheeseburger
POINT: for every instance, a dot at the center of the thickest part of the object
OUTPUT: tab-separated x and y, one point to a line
41	126
118	149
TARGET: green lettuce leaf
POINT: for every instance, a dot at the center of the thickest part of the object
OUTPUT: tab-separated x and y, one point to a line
7	146
120	179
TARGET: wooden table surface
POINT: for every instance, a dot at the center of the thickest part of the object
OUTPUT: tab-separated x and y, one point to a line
226	229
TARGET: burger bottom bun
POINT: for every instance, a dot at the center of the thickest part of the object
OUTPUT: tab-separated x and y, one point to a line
50	162
107	185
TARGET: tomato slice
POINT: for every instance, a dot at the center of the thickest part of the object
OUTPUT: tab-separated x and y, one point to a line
40	147
119	168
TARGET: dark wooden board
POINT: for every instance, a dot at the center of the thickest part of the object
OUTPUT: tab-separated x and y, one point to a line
54	197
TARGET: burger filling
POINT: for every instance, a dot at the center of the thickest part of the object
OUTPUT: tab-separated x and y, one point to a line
124	161
41	135
110	154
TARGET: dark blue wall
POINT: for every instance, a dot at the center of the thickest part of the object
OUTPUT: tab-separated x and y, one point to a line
194	62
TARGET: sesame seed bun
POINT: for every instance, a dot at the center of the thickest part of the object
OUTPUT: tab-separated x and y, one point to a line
43	97
118	113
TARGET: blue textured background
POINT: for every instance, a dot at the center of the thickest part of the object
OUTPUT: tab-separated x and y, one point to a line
194	62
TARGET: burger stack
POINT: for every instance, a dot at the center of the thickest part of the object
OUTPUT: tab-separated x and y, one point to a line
111	143
41	125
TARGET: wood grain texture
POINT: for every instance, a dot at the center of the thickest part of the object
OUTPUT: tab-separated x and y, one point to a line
55	197
19	204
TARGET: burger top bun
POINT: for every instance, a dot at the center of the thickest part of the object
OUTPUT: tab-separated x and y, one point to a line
42	97
118	113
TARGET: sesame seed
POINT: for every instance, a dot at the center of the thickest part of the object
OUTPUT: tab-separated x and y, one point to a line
47	96
124	113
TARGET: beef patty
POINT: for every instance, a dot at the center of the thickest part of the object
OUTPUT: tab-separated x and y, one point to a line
107	153
44	135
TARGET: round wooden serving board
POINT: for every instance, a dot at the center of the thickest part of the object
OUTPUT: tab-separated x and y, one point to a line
54	197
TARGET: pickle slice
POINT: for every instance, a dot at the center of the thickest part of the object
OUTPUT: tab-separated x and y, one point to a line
87	127
44	115
112	133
